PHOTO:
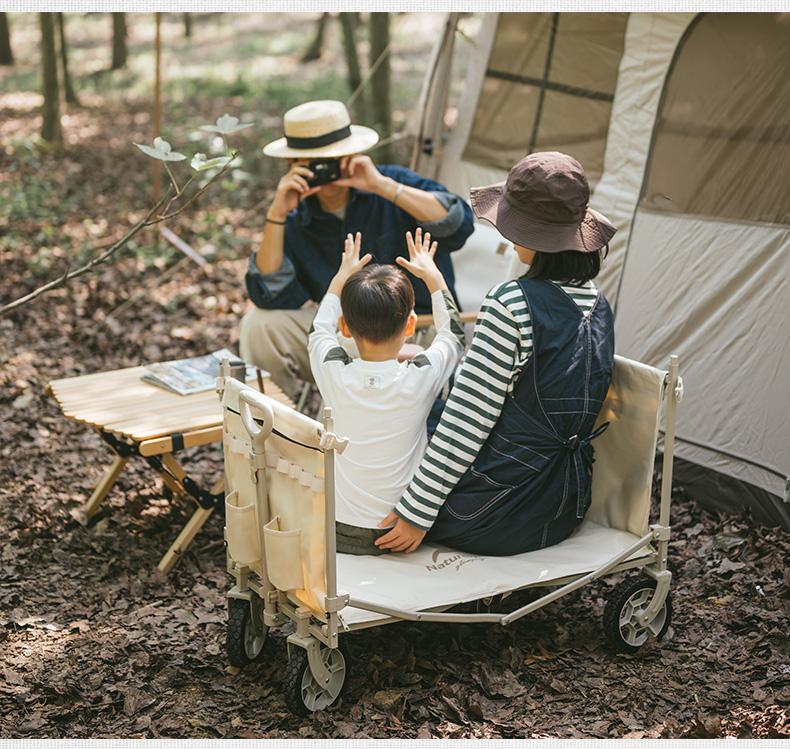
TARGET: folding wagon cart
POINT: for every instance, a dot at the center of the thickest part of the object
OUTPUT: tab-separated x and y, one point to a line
280	507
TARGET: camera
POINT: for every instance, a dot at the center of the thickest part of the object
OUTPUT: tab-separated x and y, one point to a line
325	171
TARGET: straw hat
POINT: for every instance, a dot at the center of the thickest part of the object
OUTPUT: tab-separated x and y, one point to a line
320	129
544	206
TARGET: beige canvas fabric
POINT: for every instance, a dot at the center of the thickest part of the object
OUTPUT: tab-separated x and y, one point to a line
624	453
733	348
294	466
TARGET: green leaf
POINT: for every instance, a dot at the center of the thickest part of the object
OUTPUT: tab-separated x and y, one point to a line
226	124
161	150
199	162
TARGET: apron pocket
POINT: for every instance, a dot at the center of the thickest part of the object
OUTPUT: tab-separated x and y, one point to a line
475	494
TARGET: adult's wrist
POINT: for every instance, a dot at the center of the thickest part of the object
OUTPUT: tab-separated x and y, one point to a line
398	191
272	217
390	189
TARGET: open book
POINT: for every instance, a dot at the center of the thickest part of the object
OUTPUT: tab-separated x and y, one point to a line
186	376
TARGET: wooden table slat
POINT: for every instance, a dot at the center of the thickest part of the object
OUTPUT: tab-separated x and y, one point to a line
119	401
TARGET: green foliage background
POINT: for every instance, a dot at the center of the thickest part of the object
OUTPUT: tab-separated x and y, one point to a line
62	206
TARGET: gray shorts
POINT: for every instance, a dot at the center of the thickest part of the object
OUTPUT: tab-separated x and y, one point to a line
354	540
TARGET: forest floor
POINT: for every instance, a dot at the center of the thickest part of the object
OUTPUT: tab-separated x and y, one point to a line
96	643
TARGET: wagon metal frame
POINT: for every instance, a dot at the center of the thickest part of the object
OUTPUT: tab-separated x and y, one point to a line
282	554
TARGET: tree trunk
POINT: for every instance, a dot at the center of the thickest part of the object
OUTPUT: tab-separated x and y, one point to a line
349	23
71	97
51	130
119	52
187	25
157	117
313	52
6	55
380	81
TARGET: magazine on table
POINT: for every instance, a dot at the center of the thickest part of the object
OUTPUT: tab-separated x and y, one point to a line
196	374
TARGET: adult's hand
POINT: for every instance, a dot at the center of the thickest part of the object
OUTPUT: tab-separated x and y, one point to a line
291	188
363	175
403	537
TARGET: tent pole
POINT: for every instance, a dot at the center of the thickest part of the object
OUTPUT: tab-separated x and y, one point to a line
546	70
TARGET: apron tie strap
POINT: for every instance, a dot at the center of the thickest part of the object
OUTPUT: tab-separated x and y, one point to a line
583	459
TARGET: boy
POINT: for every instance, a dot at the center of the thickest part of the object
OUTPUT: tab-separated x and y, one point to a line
378	402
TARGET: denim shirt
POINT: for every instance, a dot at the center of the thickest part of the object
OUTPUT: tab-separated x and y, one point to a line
314	243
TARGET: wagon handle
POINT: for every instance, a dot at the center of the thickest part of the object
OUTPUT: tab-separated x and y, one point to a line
259	435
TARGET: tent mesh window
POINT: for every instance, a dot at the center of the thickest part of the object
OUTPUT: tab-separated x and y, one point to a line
722	143
549	85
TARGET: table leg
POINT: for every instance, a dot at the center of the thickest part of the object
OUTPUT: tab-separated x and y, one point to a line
102	489
180	545
194	524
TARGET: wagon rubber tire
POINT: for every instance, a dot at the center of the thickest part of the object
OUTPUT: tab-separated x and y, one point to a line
628	600
243	644
303	694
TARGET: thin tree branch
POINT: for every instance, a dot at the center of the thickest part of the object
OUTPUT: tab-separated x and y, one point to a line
167	216
149	220
68	275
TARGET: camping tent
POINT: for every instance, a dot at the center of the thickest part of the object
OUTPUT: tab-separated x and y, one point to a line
682	122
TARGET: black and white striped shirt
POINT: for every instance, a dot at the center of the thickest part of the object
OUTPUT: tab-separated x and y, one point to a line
500	348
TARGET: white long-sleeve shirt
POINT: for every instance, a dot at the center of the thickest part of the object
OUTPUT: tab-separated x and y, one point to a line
381	407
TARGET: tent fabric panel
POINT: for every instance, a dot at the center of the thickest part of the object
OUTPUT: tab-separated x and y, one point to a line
451	152
583	137
650	42
715	294
587	51
521	43
426	123
725	112
503	124
723	493
573	109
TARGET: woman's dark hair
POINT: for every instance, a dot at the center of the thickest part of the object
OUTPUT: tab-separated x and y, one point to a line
569	267
377	302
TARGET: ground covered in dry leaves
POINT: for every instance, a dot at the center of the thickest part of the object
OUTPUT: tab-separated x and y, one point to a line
95	643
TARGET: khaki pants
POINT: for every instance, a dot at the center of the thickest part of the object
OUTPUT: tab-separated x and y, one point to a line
358	541
276	340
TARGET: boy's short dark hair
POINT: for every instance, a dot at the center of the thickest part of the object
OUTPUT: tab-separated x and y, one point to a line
377	302
569	267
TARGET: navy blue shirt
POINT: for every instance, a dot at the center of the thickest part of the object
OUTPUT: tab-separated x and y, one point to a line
314	241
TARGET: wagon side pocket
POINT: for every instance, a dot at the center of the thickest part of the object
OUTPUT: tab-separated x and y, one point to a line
242	531
283	556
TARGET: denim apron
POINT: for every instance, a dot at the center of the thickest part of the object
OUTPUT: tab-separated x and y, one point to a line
529	485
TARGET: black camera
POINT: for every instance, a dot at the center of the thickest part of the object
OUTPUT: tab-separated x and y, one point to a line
325	171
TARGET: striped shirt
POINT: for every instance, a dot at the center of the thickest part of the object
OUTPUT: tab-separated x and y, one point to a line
501	346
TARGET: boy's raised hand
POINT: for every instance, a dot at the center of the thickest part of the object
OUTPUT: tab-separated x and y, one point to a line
420	262
350	263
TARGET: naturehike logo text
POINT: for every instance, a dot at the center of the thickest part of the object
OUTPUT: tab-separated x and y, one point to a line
453	558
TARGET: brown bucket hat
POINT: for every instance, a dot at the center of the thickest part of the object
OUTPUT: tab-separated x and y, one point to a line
544	206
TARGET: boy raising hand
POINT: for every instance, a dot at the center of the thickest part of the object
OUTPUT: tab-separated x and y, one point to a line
380	403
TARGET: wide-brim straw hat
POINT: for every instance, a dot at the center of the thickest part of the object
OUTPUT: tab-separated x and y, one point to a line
320	129
544	206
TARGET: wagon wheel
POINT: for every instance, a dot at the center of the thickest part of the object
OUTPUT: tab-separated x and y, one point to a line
243	643
621	615
303	693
